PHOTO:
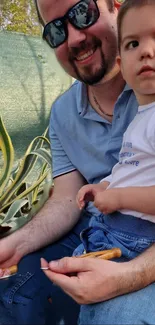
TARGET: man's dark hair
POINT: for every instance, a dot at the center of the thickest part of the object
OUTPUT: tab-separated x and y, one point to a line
110	4
38	13
127	5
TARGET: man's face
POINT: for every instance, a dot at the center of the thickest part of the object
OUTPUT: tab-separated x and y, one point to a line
89	54
138	50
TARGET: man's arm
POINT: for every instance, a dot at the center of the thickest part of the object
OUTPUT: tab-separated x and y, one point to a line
106	279
59	214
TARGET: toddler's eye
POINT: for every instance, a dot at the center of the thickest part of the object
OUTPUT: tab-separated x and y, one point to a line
132	44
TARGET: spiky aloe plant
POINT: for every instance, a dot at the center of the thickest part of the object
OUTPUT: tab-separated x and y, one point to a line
24	188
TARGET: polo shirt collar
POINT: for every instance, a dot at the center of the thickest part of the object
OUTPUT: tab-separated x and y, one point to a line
83	103
82	98
126	88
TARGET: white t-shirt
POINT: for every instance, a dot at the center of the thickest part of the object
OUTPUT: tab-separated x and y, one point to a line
136	166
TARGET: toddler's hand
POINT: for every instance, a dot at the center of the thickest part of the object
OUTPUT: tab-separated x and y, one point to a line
86	194
108	201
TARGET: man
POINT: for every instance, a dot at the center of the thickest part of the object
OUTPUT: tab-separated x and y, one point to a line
86	131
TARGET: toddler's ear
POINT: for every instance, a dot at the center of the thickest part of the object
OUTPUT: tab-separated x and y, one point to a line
118	59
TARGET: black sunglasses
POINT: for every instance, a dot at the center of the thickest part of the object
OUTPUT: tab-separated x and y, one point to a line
82	15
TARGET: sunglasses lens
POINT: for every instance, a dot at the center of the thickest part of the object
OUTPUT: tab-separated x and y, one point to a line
54	33
84	14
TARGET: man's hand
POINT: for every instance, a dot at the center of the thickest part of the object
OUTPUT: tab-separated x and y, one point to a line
87	193
9	253
45	227
88	280
108	201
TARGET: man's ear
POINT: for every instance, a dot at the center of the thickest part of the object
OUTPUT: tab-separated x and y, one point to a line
119	62
118	59
118	3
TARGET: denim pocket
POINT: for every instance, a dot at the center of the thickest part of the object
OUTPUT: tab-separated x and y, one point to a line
143	244
23	288
26	299
94	239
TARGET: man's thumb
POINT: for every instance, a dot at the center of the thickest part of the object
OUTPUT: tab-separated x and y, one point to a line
69	265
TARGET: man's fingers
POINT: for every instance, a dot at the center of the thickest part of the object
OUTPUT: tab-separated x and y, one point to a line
69	265
44	264
66	282
4	272
69	283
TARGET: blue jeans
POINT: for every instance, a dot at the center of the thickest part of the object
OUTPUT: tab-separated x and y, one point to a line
24	298
135	308
133	236
130	234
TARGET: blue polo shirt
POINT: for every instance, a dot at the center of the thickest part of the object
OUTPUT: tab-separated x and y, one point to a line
83	140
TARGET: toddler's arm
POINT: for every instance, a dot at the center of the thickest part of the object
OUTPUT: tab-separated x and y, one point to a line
141	199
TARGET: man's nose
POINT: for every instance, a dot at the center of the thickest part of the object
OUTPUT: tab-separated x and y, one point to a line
75	36
147	50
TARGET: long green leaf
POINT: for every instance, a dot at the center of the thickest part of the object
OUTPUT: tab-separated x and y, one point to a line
14	208
24	170
36	190
26	192
2	216
8	155
15	224
43	154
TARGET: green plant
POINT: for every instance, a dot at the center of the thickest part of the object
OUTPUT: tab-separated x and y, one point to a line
24	185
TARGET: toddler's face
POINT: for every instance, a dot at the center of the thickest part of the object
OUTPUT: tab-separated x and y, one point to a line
138	49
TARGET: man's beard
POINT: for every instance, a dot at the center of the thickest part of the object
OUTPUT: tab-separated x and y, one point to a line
87	76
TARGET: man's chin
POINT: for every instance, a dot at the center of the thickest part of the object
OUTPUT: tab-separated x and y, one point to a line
90	75
98	77
91	79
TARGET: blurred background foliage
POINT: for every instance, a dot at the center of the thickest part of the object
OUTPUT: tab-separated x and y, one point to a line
19	16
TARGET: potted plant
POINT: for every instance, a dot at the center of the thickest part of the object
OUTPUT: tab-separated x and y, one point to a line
24	185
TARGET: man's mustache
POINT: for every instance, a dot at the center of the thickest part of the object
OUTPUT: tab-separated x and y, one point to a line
84	46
